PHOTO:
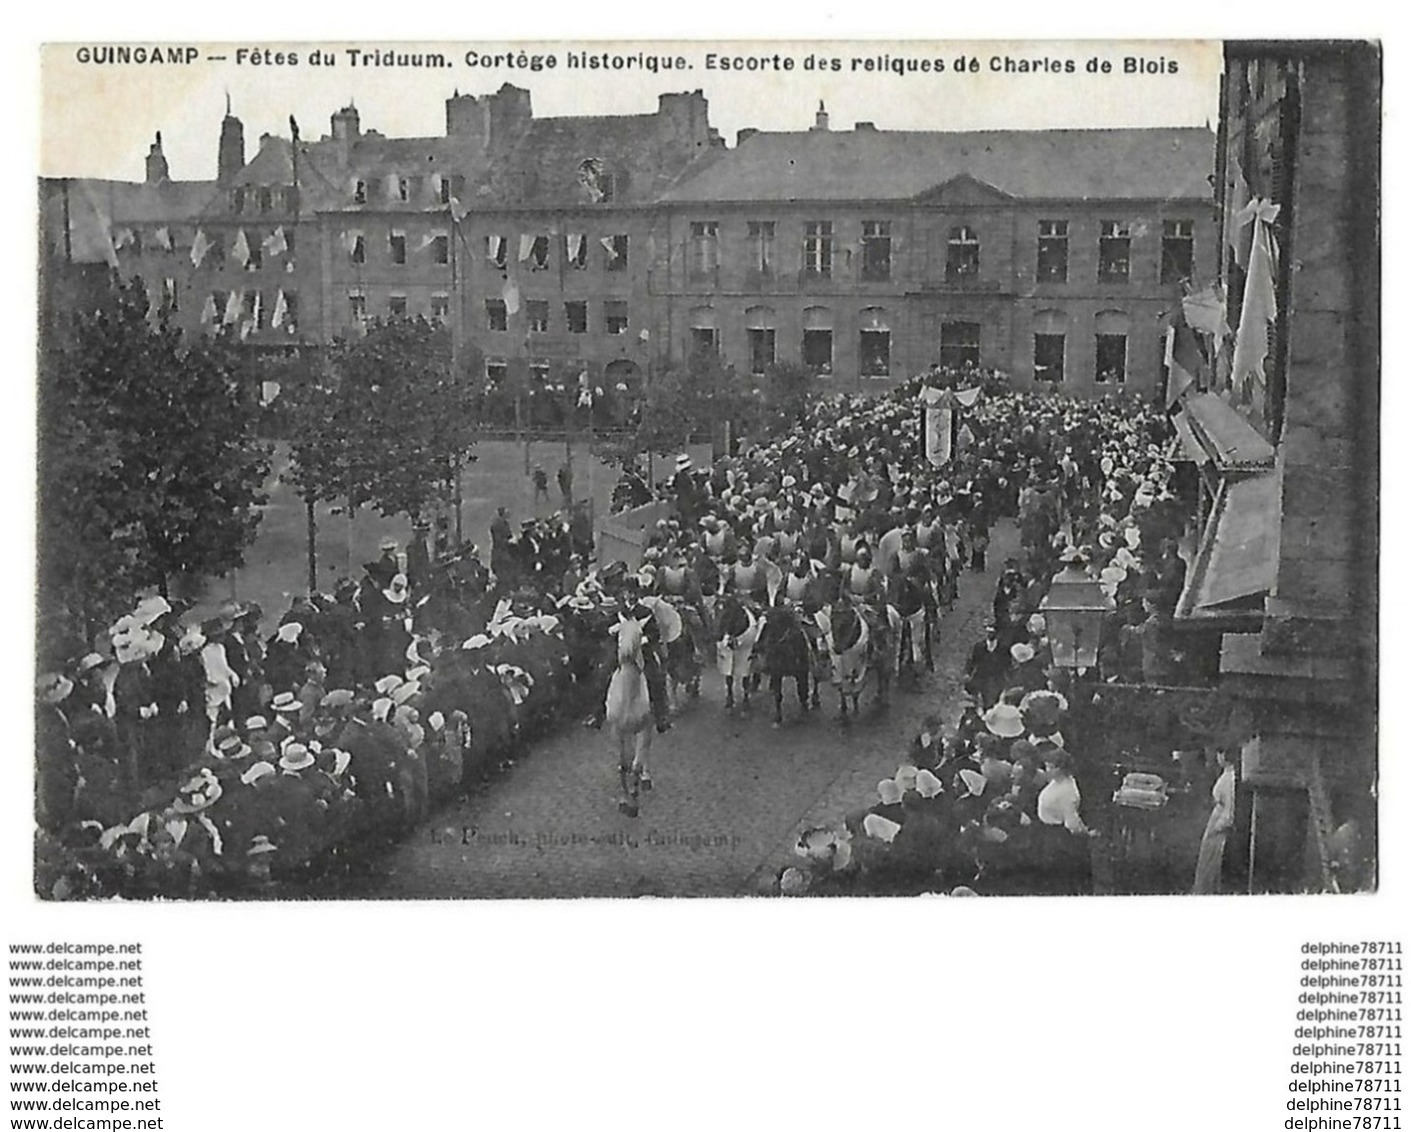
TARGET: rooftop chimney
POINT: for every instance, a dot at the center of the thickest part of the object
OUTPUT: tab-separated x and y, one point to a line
820	120
157	171
230	158
870	127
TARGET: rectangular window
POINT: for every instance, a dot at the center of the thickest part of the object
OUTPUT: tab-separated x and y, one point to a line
818	248
443	190
496	251
876	250
1048	357
539	254
575	313
761	240
818	350
404	189
291	311
539	374
496	371
536	312
616	249
1177	250
290	194
397	306
1114	252
237	200
360	192
256	258
358	252
266	198
960	344
397	245
441	307
575	251
761	343
705	248
1111	366
440	249
875	352
1053	252
289	244
962	254
169	295
615	316
705	340
357	307
496	315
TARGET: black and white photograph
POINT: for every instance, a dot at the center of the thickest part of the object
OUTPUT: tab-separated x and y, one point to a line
746	469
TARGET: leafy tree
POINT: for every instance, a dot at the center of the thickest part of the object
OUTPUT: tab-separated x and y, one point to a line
696	399
786	388
390	421
149	466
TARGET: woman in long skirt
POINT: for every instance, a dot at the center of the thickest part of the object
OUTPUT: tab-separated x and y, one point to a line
1217	829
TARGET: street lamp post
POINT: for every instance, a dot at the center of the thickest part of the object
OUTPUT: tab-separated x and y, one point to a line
1074	610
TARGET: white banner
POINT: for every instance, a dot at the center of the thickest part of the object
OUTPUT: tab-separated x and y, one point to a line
939	419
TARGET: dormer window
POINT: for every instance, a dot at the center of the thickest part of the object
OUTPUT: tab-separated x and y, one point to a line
360	192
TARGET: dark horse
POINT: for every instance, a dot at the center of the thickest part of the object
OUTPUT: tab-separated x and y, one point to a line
786	653
860	644
914	604
737	632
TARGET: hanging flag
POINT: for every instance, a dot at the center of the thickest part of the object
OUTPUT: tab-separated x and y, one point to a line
275	243
1258	308
576	241
232	309
269	392
458	210
608	245
281	308
968	397
256	307
1205	312
526	246
105	226
245	328
350	240
510	292
1180	370
241	248
1236	201
585	391
939	424
162	238
208	310
199	247
122	237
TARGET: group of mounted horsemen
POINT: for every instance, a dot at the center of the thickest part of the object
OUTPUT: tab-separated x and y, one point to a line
802	602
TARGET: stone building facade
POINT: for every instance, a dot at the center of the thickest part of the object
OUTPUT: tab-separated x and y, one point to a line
610	245
1285	579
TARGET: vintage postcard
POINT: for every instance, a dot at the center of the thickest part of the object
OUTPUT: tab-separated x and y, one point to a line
707	469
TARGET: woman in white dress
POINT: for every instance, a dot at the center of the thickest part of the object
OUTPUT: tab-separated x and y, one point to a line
1217	829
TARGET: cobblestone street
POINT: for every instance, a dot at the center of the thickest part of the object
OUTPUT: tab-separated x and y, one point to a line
731	794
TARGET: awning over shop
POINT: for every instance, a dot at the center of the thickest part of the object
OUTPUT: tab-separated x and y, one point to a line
1224	435
1235	566
1186	446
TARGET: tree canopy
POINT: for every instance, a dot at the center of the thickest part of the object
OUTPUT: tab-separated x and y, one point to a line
388	420
149	465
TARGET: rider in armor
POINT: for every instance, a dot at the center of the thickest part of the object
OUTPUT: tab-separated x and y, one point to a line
862	579
748	577
653	658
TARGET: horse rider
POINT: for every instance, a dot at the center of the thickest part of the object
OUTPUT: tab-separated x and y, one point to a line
653	650
914	564
748	577
678	583
719	539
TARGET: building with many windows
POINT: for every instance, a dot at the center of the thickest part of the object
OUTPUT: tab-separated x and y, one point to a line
609	245
869	255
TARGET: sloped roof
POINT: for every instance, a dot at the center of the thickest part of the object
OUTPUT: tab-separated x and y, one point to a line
541	168
97	207
1139	164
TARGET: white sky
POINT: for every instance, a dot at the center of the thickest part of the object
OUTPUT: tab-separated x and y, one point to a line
98	120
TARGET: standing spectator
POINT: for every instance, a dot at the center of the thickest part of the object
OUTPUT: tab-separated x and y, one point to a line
565	478
541	484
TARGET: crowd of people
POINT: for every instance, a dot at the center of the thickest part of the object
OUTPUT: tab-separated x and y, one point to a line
844	507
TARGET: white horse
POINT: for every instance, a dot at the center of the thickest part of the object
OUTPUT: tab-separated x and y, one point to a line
628	714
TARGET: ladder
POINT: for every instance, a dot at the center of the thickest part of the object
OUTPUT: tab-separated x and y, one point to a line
1320	810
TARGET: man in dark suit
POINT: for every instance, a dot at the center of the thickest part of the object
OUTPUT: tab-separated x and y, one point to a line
985	673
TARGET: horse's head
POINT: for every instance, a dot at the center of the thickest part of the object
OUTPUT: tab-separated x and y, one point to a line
845	625
629	639
733	619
